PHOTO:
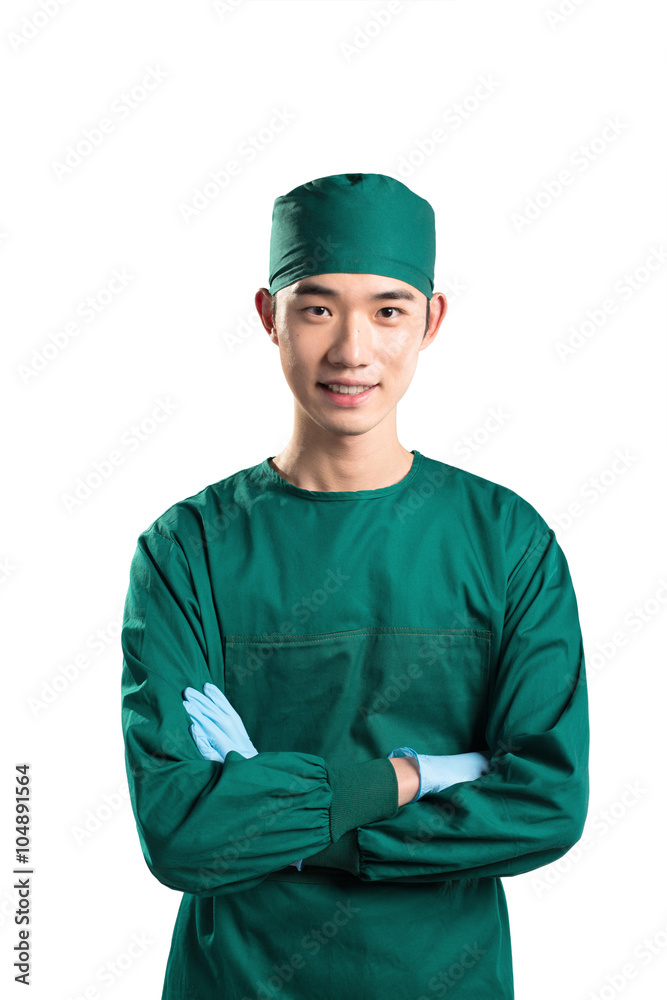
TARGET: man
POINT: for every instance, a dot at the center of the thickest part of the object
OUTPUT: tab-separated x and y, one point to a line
354	691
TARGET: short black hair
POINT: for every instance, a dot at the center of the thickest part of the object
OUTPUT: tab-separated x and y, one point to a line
428	312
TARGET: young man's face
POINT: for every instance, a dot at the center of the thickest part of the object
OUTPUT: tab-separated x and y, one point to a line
336	328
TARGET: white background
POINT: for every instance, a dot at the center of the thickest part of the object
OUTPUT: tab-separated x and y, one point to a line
361	98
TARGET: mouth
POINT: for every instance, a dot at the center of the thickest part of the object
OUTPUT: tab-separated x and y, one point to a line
347	398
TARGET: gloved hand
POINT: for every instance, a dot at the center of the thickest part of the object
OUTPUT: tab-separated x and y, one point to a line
217	728
438	773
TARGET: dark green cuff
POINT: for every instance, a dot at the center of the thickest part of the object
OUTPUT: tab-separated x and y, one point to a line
343	854
362	793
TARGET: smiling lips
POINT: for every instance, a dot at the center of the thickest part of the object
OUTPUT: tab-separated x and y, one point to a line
346	395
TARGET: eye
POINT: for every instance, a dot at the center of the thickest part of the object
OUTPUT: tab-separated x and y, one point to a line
315	307
390	309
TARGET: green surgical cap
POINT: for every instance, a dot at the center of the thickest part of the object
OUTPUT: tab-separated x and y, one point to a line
353	223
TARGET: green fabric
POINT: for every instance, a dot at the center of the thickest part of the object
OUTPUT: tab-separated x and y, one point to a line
437	613
344	853
356	224
361	793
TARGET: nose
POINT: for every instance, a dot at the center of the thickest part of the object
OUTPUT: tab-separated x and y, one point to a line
353	341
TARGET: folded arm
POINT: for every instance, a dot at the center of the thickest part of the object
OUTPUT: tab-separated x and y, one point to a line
204	827
529	809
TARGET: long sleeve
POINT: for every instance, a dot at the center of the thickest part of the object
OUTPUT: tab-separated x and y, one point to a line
207	828
530	808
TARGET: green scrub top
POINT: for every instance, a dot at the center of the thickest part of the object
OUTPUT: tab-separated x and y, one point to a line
436	613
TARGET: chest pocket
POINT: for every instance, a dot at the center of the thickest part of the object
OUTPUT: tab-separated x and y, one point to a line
357	694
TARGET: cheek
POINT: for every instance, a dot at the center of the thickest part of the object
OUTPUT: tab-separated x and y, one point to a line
291	349
399	354
297	359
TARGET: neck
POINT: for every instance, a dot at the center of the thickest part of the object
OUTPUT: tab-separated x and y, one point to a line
349	462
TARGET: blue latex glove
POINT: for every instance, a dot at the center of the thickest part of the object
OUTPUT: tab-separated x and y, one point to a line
438	773
217	727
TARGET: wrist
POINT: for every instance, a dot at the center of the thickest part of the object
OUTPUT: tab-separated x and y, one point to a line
408	777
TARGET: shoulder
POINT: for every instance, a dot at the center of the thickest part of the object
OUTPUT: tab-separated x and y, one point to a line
211	509
492	512
499	503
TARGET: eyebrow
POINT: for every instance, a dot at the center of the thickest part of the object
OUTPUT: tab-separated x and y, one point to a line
313	288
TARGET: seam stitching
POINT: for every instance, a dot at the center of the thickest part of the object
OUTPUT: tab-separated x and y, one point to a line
269	639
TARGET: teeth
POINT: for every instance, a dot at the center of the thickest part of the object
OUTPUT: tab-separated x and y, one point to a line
350	390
